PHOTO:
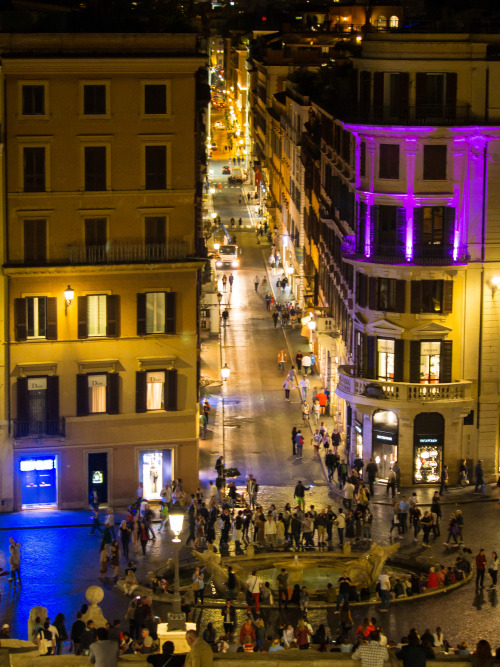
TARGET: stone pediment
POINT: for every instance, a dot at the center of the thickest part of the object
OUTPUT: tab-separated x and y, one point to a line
384	329
430	330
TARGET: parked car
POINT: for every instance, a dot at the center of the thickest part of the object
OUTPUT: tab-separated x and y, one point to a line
226	170
236	179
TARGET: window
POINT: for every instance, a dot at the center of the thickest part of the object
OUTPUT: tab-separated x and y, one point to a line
33	100
393	22
432	296
435	163
156	390
432	225
436	94
95	168
156	167
156	313
35	317
94	99
385	359
34	169
156	230
155	99
35	241
37	406
430	356
389	161
386	226
98	315
381	22
97	394
386	297
95	239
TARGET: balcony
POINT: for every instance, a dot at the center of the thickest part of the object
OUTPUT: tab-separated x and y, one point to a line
127	252
443	254
376	392
36	429
428	114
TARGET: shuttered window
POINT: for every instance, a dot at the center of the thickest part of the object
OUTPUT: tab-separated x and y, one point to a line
35	241
37	406
35	317
33	100
156	313
156	167
99	315
155	99
94	99
435	163
389	161
432	296
97	393
156	390
95	168
34	168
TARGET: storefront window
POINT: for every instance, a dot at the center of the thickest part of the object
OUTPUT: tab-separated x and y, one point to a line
385	354
38	482
430	355
97	393
155	399
428	457
358	430
155	470
385	437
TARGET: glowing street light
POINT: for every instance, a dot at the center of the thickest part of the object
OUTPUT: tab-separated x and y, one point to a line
225	372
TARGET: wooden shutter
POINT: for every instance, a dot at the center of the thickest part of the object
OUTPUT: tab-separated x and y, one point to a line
82	395
113	394
372	292
447	305
400	296
421	92
53	405
378	93
451	94
414	361
399	360
401	232
404	92
373	228
141	391
141	314
51	318
113	315
445	361
171	389
418	214
23	405
416	296
371	356
448	229
365	81
170	312
82	317
20	331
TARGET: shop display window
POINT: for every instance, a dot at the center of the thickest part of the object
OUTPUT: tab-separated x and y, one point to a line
430	356
155	470
385	354
155	397
38	482
428	456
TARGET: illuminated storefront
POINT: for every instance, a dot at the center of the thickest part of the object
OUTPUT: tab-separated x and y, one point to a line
385	427
38	476
155	470
428	434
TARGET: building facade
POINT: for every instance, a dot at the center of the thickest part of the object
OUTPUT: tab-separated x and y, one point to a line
102	277
402	224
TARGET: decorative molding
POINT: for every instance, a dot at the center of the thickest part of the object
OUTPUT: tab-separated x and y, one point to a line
433	329
156	362
35	368
99	365
384	328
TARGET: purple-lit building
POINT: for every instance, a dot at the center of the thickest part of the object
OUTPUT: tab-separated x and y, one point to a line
402	219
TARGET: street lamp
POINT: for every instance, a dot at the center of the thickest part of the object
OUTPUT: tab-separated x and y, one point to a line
176	618
225	372
69	293
216	245
290	270
312	325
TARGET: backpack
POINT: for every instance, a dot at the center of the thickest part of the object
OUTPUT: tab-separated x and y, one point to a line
301	440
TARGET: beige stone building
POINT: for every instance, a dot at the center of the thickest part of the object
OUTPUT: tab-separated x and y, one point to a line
101	147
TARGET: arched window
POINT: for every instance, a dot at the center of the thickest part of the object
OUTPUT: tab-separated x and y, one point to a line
381	22
393	22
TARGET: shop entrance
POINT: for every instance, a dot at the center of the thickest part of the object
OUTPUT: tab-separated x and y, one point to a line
155	470
38	482
98	475
428	443
385	434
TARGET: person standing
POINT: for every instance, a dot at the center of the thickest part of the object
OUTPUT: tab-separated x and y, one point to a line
344	586
15	561
275	320
493	569
371	472
304	385
340	523
300	492
385	591
254	585
480	568
287	386
444	481
283	585
298	359
229	618
281	360
299	444
104	652
479	475
404	509
372	654
201	653
335	440
206	409
294	435
77	630
198	585
231	281
256	282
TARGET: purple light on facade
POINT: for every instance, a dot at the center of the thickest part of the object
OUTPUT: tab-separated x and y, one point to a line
368	225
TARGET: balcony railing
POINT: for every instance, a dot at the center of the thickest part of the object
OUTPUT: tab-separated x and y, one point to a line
401	391
443	254
126	252
35	429
425	114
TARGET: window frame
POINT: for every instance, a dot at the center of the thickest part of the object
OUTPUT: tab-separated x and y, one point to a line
387	354
30	82
32	219
429	147
383	147
168	92
107	149
94	82
156	140
100	298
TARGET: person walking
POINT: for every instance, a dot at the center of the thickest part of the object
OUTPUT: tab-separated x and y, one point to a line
480	568
304	385
305	412
124	535
493	569
306	363
96	524
256	281
231	281
283	585
287	385
371	472
299	494
15	561
444	480
479	475
299	444
224	282
298	360
254	585
281	360
372	654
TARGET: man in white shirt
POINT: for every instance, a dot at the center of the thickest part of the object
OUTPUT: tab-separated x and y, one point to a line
254	584
348	494
304	385
385	591
306	363
270	530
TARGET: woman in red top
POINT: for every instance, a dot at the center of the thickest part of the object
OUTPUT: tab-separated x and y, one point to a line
302	634
432	580
365	628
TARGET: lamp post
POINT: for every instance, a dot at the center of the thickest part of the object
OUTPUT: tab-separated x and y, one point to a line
176	618
225	372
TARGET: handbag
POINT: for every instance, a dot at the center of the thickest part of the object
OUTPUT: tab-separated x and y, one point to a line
44	646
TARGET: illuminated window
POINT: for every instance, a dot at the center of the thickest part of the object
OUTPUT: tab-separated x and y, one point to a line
155	396
393	22
385	359
97	388
36	320
430	361
96	315
155	312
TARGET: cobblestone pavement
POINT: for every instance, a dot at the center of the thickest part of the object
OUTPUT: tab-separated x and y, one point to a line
60	562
